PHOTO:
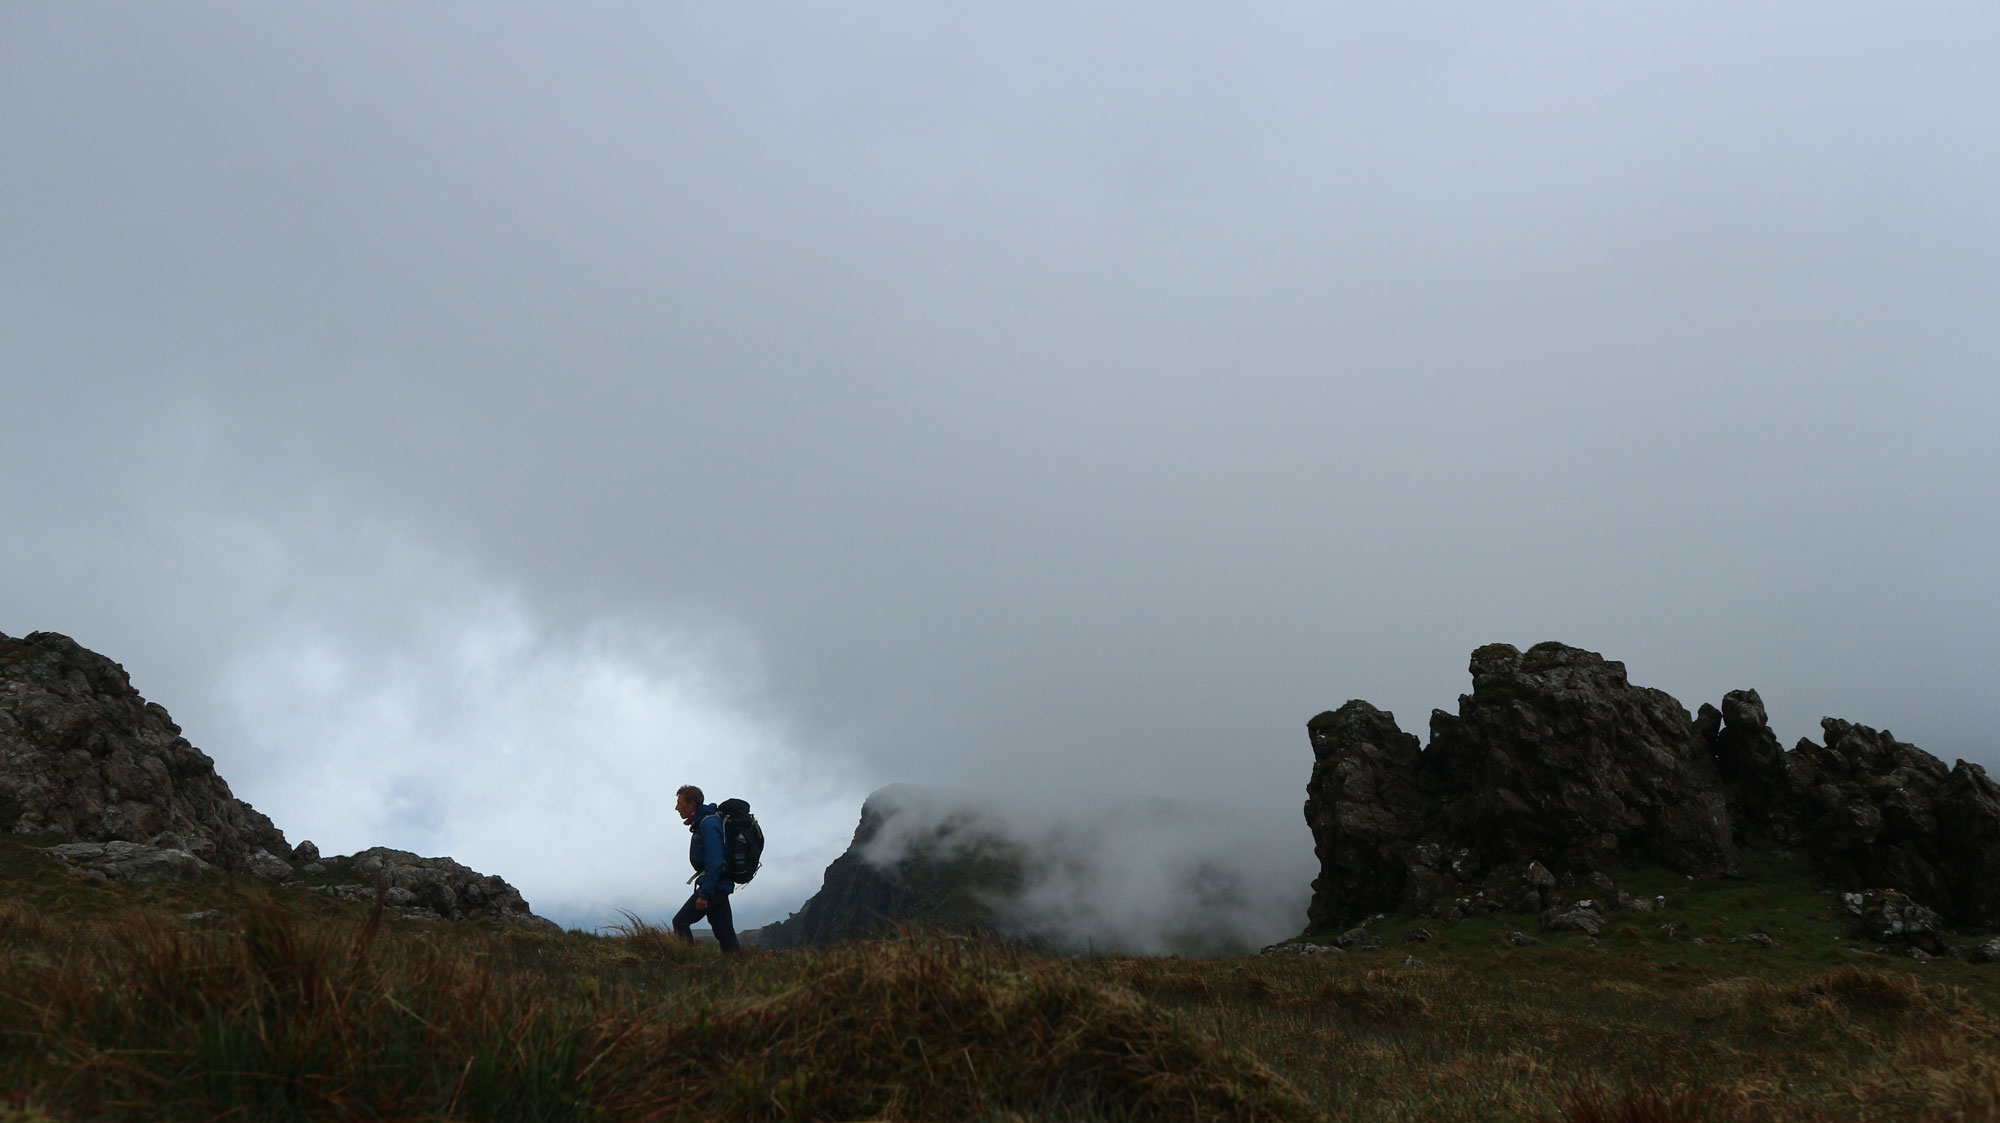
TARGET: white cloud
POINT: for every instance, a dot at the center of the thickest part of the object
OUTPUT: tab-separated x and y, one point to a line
544	755
1108	872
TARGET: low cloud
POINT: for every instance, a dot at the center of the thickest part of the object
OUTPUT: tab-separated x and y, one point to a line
1102	872
546	756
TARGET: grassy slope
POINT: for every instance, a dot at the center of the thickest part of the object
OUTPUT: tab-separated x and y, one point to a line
292	1006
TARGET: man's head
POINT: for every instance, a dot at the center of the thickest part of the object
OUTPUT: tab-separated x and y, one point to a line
687	801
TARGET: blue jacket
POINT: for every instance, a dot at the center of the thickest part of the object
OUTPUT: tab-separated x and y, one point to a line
705	853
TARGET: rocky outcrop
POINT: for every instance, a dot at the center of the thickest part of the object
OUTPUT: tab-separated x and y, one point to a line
942	874
1556	769
431	888
1063	871
1873	812
1555	765
84	757
1364	794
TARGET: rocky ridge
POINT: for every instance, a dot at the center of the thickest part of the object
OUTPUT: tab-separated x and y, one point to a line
1556	771
944	878
86	759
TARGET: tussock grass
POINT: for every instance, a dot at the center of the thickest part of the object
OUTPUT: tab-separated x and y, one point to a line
115	1005
270	1016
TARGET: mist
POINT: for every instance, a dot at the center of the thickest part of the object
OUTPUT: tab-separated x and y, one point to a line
472	421
1104	872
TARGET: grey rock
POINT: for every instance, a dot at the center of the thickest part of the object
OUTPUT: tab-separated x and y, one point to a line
1756	940
1988	952
305	852
1575	918
1522	940
269	866
1888	916
131	861
435	888
1301	948
84	757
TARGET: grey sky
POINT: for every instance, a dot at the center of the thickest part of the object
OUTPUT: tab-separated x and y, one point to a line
463	417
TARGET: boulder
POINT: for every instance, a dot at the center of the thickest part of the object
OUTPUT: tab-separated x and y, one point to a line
131	861
433	889
1580	917
1887	916
85	758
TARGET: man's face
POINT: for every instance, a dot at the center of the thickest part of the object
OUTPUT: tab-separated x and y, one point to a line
686	807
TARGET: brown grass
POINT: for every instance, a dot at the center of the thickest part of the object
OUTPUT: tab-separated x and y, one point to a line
112	1006
137	1016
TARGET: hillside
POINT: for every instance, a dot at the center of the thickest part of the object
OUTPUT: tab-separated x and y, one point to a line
233	996
141	981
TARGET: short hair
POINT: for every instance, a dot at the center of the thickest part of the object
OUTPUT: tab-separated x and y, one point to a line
688	791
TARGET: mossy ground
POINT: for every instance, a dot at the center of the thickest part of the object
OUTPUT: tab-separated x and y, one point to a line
114	1006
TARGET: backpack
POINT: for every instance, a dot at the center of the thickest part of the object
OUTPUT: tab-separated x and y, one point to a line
742	841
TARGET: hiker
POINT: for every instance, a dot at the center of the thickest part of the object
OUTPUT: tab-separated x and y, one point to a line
711	885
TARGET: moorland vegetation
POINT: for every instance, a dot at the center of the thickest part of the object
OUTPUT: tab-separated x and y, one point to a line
232	998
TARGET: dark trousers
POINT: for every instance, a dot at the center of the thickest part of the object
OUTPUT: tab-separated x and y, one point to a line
719	921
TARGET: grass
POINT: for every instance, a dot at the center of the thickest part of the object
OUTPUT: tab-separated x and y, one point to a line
292	1006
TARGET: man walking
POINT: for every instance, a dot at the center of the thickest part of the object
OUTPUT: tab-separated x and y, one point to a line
711	885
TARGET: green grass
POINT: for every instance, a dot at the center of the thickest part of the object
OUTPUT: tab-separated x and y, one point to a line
292	1006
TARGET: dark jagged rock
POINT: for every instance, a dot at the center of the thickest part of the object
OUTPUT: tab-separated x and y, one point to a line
1554	762
1875	812
1754	769
1556	758
84	757
1366	807
941	876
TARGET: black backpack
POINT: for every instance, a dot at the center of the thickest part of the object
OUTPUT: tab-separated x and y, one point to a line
742	841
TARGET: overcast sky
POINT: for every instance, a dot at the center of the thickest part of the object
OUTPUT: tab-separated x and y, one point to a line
473	420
